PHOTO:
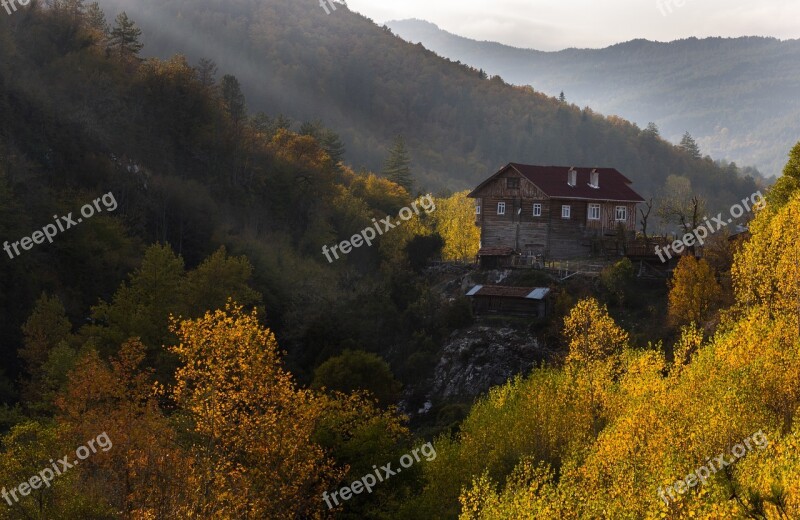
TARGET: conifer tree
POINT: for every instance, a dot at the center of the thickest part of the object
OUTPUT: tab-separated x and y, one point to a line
689	145
96	18
398	165
125	37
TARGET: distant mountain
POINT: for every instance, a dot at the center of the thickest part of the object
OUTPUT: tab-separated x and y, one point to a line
369	85
739	98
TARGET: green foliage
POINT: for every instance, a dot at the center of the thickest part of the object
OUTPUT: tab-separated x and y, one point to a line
358	370
618	279
422	249
397	167
233	98
124	37
689	145
787	185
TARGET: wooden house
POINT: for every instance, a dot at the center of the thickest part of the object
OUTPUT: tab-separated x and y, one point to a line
514	301
554	211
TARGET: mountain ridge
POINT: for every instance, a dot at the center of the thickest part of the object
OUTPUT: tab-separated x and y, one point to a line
370	85
721	90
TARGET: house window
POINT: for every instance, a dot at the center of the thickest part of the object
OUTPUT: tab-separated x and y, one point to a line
537	210
622	213
512	183
594	211
566	211
501	208
477	210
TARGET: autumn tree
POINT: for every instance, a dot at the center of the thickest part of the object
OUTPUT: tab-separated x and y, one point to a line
144	473
789	183
595	344
591	334
694	292
454	220
253	426
765	271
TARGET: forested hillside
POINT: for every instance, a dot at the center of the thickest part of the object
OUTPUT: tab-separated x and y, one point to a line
198	184
736	96
186	349
369	85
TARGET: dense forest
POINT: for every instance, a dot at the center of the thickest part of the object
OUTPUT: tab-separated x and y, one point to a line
370	86
201	358
736	96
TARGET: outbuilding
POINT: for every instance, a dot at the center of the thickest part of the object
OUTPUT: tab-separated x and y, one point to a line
514	301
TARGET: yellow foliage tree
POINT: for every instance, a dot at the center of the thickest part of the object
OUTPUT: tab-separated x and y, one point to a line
766	272
254	427
454	220
694	292
591	333
144	472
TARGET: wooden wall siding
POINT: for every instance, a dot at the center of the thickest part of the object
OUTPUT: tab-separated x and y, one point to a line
549	234
608	217
497	188
509	306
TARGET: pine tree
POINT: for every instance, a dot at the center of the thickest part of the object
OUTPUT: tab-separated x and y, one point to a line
125	37
206	72
562	98
234	99
689	145
333	144
652	130
96	19
397	168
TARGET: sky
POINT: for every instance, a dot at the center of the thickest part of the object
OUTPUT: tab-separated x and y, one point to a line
558	24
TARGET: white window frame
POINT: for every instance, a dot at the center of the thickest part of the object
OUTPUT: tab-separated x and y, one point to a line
501	208
566	211
594	212
478	209
537	210
624	212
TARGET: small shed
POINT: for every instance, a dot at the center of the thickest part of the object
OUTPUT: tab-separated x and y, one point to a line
496	257
516	301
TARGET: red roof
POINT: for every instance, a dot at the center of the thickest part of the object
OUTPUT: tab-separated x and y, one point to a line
552	180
